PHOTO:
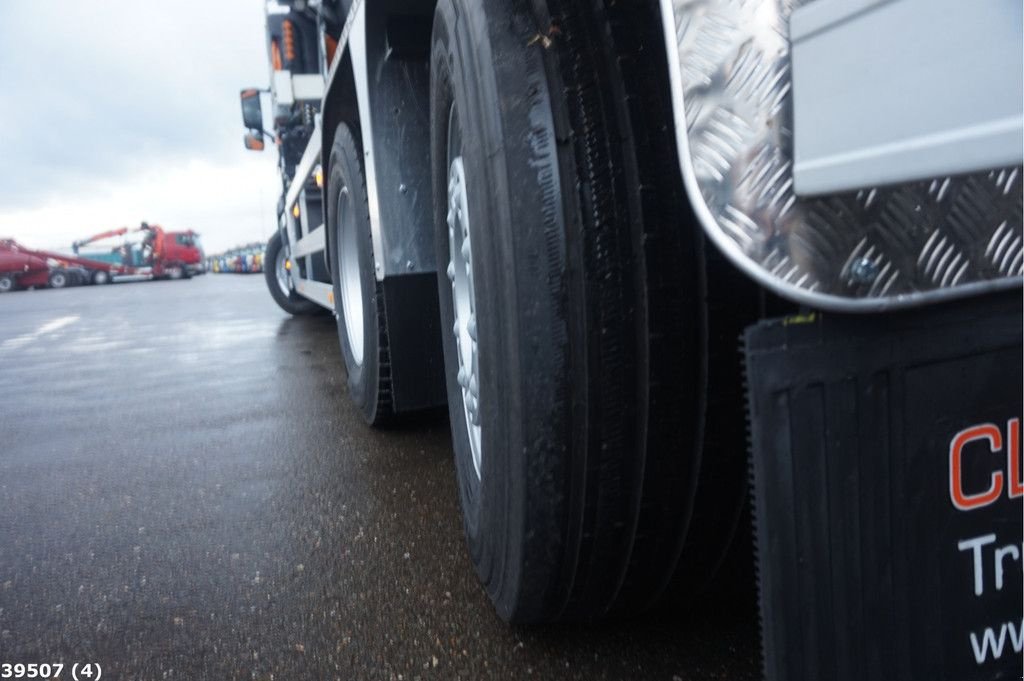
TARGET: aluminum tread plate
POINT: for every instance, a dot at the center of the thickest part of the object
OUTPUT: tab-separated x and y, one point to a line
875	248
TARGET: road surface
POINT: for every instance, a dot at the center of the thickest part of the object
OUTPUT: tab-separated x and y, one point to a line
186	493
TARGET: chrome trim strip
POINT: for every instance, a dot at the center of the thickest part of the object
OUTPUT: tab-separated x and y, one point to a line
342	45
357	45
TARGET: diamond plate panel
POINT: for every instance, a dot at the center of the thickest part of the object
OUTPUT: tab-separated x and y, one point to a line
870	249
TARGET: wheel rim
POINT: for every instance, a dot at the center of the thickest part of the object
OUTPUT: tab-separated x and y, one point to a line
350	278
460	274
59	280
6	284
281	270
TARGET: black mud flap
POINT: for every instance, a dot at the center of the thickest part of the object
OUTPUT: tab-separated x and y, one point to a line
888	493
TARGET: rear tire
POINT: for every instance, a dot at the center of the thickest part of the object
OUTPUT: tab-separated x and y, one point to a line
589	320
288	300
7	283
58	279
358	296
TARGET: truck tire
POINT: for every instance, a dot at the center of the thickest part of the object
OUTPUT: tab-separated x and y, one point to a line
58	279
279	282
571	294
100	277
358	296
733	303
6	283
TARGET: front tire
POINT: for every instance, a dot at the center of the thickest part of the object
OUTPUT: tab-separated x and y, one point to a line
279	280
358	296
100	277
58	279
7	283
584	371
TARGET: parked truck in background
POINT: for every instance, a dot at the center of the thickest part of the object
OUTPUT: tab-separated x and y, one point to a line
20	267
246	259
563	217
160	255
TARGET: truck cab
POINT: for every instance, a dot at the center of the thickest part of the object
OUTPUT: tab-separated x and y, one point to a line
184	247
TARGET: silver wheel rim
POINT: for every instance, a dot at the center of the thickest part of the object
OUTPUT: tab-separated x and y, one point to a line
460	273
6	284
350	278
281	271
59	280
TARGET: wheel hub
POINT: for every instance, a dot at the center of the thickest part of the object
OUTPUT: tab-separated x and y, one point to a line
460	274
351	281
281	271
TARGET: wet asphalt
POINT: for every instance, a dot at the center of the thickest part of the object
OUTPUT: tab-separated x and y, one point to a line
186	493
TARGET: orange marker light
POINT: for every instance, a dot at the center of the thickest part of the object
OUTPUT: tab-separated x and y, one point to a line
288	31
275	56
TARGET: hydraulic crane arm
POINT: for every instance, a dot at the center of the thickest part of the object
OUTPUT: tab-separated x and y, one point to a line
112	233
104	235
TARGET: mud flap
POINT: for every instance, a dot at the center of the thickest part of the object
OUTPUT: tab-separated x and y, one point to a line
886	474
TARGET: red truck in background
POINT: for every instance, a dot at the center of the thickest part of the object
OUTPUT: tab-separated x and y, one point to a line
20	267
160	255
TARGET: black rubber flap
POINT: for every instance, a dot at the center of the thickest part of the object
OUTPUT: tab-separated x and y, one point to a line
888	493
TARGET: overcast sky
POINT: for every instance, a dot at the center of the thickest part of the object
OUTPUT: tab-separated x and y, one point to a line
119	111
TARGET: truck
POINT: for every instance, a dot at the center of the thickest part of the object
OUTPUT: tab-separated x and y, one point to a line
246	259
678	269
160	255
22	268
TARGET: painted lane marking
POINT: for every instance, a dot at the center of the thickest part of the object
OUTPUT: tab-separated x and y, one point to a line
46	329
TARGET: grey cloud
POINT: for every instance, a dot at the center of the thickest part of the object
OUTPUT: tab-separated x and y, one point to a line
93	93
